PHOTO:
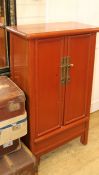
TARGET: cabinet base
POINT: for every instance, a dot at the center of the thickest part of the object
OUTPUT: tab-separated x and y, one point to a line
58	137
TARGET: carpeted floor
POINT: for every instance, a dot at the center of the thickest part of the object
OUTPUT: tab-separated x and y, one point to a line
74	158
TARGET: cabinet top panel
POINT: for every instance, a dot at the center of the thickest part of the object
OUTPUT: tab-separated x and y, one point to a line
52	29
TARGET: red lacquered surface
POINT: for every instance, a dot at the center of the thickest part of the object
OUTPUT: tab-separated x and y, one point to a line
2	48
57	112
52	29
76	88
49	53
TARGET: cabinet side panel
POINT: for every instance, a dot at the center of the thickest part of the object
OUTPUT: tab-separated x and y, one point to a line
77	88
19	61
90	70
2	48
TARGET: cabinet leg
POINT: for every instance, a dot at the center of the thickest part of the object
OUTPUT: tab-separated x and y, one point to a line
38	159
36	169
37	164
84	136
84	139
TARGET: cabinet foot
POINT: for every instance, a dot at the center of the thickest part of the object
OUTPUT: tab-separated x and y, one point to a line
84	136
84	139
38	159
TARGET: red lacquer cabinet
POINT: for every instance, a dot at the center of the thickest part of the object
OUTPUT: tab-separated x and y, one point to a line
53	64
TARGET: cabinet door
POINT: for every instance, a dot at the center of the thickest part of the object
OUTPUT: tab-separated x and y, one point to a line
49	53
76	87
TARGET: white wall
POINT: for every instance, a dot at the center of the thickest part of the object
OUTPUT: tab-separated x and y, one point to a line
86	11
30	11
61	10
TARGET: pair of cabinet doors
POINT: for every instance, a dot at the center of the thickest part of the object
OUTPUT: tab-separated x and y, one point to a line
60	103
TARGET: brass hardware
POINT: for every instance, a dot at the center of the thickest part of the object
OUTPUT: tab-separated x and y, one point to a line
68	59
65	68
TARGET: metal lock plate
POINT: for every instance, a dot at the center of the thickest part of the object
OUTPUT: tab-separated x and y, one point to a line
65	69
